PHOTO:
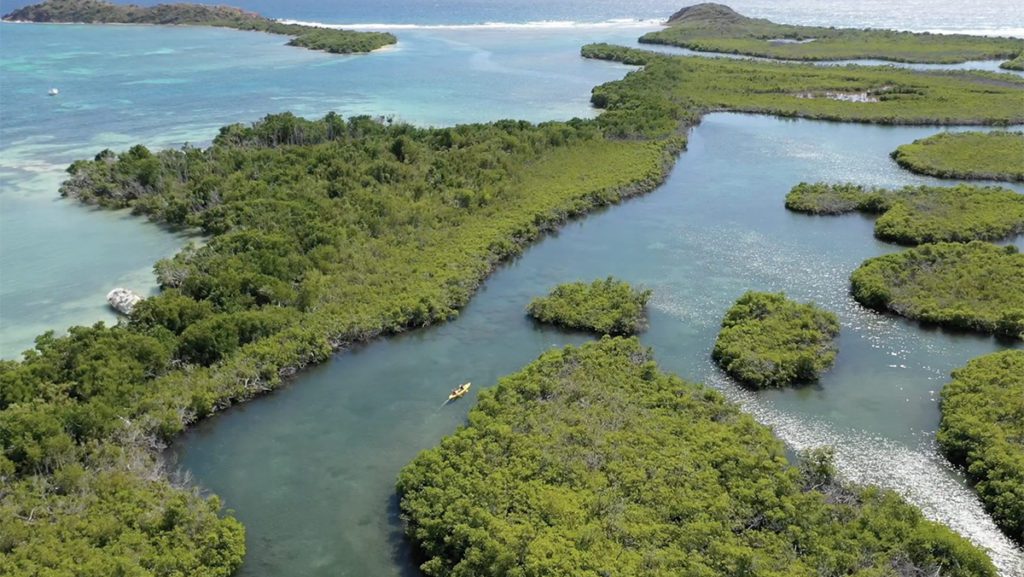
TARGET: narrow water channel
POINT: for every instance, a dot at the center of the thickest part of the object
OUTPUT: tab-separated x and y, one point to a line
310	470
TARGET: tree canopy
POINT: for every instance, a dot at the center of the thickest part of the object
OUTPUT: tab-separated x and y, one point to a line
319	233
609	307
983	430
591	461
920	214
768	340
673	90
995	155
326	232
975	286
717	28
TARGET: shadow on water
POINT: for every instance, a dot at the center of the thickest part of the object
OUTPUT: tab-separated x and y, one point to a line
406	556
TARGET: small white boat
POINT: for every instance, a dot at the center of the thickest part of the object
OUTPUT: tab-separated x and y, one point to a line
53	92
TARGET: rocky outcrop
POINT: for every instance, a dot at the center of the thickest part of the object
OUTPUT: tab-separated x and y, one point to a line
708	12
123	300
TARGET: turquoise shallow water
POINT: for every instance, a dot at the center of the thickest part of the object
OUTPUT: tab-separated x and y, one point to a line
166	86
310	469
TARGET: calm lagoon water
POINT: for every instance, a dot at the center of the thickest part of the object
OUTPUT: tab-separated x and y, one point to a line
310	470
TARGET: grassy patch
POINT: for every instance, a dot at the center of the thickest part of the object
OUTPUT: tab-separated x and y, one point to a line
608	307
920	214
591	461
983	430
769	341
975	286
996	155
717	28
674	90
99	11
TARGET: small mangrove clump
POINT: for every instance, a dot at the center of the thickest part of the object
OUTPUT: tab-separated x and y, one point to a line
768	341
920	214
996	155
983	430
1015	64
608	307
975	286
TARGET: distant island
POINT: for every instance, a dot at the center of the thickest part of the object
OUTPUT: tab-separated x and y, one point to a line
101	12
713	27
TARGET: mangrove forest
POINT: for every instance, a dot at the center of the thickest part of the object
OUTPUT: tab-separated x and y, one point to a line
982	430
915	215
995	155
975	286
591	461
324	233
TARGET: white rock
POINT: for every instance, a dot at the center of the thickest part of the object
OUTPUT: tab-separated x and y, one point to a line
123	300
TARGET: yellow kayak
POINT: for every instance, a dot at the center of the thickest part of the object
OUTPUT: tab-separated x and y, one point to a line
459	391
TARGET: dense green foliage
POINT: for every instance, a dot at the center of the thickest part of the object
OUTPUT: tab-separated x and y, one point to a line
717	28
674	90
320	233
996	155
975	286
920	214
768	340
98	522
983	429
82	493
101	11
590	462
339	41
608	307
1015	64
838	198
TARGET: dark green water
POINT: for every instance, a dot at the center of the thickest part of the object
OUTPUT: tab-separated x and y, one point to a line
310	469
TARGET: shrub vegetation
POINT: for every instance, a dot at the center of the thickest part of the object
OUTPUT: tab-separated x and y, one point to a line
608	307
1015	64
674	90
920	214
996	155
983	430
768	341
717	28
591	461
975	286
99	11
